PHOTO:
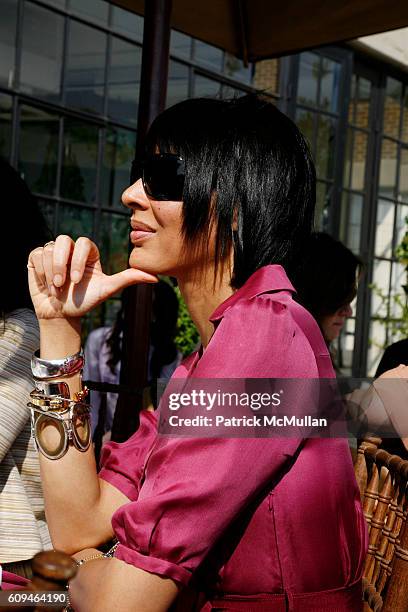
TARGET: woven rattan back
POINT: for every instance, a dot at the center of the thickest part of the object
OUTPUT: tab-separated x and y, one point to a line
382	479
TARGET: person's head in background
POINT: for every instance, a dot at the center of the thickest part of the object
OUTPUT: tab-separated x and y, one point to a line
326	283
23	228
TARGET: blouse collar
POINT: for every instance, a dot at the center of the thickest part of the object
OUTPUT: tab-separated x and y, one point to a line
265	279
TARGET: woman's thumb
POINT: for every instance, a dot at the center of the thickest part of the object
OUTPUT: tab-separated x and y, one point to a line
128	277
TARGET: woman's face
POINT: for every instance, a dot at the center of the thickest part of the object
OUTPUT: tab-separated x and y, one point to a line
156	234
332	324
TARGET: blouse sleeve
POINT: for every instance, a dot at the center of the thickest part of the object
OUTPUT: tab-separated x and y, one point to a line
195	489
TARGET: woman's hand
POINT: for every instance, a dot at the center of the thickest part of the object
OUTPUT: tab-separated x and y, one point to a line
66	278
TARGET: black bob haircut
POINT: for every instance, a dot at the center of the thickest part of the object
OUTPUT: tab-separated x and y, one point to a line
327	278
249	177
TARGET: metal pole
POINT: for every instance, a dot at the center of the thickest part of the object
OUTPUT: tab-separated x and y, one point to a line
138	299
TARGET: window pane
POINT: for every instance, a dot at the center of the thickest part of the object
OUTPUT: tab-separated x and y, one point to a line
180	44
127	23
329	85
207	54
381	280
398	298
308	78
377	343
401	223
8	24
78	181
403	175
96	11
41	56
384	229
405	117
85	71
353	95
363	103
322	206
6	114
58	3
177	85
325	148
118	155
266	75
38	149
48	210
124	81
75	221
348	157
305	121
206	87
359	160
114	241
388	168
392	107
350	224
234	68
231	92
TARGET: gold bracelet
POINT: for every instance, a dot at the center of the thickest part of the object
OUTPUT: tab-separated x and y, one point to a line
82	561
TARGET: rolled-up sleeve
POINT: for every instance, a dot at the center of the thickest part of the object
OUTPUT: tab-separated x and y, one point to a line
122	462
194	489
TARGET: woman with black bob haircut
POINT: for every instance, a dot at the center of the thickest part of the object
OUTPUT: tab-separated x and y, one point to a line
222	200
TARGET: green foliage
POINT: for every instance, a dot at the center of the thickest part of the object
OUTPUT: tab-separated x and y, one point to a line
187	335
401	252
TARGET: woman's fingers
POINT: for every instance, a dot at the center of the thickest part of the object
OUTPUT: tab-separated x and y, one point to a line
35	265
85	252
47	256
63	248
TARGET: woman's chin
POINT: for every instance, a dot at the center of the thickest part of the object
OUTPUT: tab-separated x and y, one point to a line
139	262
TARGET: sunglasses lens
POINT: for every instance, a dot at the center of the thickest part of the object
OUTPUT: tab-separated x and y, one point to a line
163	177
51	436
81	428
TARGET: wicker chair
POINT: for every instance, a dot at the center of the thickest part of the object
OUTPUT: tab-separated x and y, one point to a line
382	479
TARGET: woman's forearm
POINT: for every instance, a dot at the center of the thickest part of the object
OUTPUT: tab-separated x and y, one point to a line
71	486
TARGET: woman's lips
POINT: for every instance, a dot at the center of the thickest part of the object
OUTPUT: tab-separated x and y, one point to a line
139	235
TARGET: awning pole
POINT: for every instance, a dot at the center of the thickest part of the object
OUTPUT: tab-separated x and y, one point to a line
138	299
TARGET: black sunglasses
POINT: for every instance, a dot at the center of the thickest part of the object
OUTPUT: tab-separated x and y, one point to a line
162	176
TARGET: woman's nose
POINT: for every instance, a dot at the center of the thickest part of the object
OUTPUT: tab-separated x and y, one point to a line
135	197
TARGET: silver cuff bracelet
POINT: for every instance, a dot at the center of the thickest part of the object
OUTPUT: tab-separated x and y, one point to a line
56	368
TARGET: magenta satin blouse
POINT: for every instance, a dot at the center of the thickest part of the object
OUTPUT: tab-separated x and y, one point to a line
249	518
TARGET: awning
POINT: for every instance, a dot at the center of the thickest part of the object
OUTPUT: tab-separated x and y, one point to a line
259	29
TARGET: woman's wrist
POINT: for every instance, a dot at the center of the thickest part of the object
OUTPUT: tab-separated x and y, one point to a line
59	337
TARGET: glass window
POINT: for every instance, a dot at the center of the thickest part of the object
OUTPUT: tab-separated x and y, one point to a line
208	55
401	223
114	241
58	3
6	114
38	149
398	298
119	152
308	78
206	87
350	224
85	68
75	221
325	146
359	160
329	84
363	103
8	23
96	11
384	228
127	23
48	210
124	80
41	54
231	92
392	107
377	343
404	135
266	75
322	206
380	292
305	121
180	44
403	175
388	168
235	69
177	85
78	180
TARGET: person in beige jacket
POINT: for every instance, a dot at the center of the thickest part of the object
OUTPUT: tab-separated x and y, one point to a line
23	529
